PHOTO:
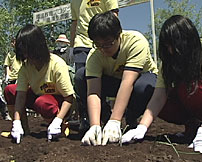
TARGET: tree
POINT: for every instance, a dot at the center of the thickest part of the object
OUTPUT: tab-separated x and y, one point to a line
14	14
180	7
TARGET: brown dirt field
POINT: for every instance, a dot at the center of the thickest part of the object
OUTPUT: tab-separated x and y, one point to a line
154	148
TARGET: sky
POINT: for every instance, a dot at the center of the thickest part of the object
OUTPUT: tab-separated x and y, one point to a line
138	17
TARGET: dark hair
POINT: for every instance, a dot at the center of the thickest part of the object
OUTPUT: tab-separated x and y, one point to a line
104	25
31	44
183	64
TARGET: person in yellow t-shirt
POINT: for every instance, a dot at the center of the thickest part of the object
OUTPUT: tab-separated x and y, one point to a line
121	66
11	66
80	44
178	92
82	12
44	84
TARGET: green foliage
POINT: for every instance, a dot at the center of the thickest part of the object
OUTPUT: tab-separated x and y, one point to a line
176	7
14	14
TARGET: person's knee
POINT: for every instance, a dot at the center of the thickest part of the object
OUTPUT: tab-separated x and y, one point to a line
46	109
175	113
142	88
8	89
145	84
9	94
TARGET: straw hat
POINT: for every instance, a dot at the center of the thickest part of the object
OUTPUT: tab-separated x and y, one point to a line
63	38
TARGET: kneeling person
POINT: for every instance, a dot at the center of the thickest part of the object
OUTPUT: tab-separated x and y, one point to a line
121	66
43	84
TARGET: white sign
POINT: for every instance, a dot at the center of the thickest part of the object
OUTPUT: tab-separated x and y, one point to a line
63	12
125	3
52	15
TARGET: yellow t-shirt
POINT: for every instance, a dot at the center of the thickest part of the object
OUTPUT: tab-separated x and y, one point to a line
134	53
13	64
88	9
53	78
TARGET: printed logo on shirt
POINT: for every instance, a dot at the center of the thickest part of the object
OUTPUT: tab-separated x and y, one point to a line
48	87
92	3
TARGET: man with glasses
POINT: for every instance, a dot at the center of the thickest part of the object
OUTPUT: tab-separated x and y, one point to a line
80	44
82	12
121	66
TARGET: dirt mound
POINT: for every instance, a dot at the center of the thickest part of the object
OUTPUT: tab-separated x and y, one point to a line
154	148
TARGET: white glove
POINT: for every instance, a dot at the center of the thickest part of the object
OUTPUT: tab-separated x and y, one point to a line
112	132
17	131
71	55
54	129
197	142
93	136
134	134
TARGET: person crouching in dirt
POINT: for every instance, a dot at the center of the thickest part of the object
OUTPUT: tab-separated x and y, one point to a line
121	66
177	97
43	85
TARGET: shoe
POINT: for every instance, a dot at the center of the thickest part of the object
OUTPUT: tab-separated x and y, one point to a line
84	125
74	124
7	117
191	128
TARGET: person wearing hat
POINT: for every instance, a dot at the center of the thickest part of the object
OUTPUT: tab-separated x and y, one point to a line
62	48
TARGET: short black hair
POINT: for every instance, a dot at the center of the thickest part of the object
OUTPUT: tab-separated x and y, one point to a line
104	25
30	41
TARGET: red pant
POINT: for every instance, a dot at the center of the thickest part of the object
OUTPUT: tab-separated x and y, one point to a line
180	107
46	105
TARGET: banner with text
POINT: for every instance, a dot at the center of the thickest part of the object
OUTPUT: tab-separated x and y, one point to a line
52	15
63	12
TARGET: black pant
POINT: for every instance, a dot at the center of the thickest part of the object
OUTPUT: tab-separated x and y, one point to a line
140	96
80	56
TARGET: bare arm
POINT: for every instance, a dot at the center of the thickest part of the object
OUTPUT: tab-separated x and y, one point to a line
20	105
155	105
93	100
7	71
65	106
73	32
124	94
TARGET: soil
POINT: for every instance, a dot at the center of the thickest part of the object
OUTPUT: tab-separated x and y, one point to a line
154	148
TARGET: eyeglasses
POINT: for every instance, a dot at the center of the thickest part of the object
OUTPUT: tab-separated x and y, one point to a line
108	45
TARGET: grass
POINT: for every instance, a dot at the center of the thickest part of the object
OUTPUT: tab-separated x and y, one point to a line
169	143
120	140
